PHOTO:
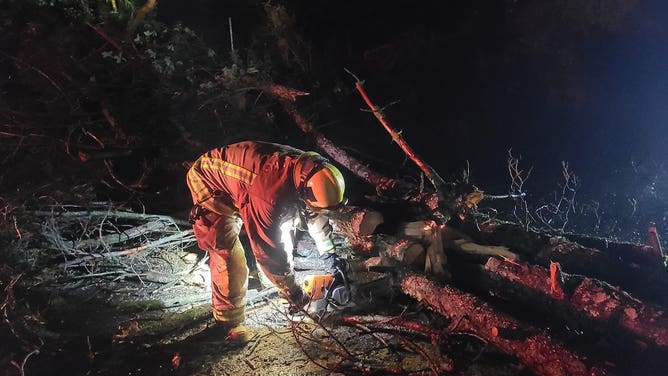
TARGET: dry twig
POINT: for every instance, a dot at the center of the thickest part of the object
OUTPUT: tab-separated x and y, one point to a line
517	179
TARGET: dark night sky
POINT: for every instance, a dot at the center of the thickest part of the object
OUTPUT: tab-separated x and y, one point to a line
476	79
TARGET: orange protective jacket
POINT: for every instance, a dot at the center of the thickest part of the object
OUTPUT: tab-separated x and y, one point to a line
257	179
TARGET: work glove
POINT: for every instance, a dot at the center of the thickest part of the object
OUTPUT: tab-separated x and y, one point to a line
320	231
297	299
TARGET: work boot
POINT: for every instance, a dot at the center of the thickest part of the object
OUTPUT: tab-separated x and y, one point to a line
239	334
228	327
224	334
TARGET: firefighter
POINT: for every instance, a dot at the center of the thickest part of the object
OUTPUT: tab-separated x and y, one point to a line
268	188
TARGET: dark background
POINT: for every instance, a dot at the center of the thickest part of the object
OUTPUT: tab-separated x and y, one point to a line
581	82
466	82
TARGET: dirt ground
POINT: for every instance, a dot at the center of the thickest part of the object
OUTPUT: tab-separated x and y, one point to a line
282	345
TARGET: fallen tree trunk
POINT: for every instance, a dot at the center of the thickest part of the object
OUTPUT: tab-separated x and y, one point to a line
639	254
576	296
531	346
598	254
647	280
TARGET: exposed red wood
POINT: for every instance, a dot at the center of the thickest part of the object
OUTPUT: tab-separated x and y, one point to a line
556	281
605	302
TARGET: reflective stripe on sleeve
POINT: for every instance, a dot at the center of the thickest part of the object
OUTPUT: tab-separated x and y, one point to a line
227	169
198	188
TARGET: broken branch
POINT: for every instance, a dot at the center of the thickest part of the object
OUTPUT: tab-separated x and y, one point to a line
429	172
286	97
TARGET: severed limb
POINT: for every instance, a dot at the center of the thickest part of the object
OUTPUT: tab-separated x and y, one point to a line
439	239
429	233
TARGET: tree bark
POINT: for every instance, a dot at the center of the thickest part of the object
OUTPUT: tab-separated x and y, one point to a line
531	346
622	264
632	254
607	306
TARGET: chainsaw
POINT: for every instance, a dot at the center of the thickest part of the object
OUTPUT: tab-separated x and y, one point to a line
347	288
328	292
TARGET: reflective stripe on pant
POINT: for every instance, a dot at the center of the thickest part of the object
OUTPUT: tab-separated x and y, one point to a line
218	234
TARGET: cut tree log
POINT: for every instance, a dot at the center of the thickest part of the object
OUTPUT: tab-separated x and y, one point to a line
390	249
604	305
430	234
413	238
357	224
422	250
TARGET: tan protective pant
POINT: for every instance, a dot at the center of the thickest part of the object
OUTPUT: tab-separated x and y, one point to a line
218	234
